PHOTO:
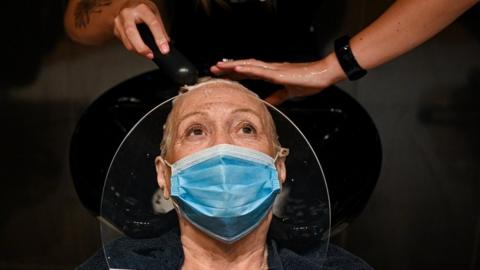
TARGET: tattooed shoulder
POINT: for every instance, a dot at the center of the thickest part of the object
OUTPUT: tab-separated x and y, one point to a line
85	8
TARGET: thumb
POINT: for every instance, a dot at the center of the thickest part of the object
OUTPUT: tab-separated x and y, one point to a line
278	97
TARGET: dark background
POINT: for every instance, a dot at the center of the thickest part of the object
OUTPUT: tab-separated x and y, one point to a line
423	214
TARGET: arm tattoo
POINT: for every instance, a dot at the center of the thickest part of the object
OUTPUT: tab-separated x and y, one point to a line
85	8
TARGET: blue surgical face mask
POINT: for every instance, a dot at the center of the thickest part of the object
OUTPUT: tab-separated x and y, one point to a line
225	190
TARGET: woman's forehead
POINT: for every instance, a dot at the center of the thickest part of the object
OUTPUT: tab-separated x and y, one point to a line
219	93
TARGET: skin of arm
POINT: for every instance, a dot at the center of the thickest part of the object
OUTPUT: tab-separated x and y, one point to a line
93	22
402	27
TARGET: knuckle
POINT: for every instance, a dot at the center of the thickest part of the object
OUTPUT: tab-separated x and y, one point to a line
130	30
143	50
161	39
154	23
142	6
126	12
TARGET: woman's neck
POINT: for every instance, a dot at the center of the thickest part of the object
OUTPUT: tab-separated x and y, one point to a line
203	252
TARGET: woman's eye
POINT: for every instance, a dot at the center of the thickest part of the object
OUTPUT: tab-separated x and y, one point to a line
248	129
195	131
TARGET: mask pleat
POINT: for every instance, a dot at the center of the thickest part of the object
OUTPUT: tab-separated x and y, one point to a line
223	194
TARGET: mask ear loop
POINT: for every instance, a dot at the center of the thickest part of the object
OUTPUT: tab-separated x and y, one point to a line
174	203
183	90
282	153
171	168
168	163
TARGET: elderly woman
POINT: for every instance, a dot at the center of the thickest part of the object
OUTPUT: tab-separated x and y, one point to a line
222	166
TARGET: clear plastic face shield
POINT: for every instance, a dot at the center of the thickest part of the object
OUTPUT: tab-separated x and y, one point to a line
135	214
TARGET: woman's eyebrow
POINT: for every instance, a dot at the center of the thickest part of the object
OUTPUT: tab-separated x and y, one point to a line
191	114
205	114
247	110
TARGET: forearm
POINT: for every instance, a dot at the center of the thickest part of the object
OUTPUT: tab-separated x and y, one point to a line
404	26
91	22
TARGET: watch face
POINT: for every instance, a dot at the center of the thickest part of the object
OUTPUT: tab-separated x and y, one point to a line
347	60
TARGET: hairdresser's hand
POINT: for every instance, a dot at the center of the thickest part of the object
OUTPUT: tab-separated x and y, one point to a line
134	12
298	79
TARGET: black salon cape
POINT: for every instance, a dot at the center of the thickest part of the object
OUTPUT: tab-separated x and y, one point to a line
166	253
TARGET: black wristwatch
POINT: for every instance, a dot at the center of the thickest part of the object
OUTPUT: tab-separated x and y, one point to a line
346	59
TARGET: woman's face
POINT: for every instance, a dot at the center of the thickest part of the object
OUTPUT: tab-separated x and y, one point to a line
219	114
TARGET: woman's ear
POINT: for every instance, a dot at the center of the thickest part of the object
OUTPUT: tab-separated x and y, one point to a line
281	169
163	176
280	164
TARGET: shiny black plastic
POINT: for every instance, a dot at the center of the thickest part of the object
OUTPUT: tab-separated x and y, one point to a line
174	64
347	60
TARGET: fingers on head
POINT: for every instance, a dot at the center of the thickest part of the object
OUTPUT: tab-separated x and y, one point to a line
244	62
254	62
259	73
216	70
